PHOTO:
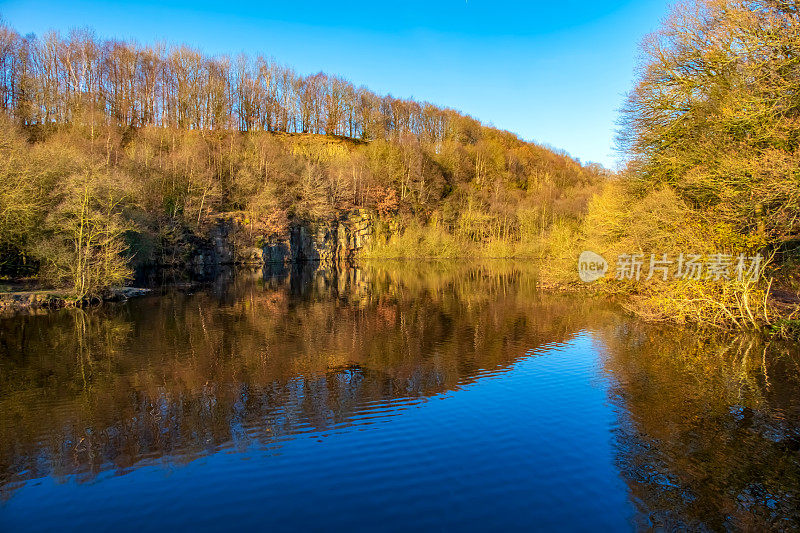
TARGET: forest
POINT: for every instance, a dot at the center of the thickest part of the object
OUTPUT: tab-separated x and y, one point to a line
710	133
112	150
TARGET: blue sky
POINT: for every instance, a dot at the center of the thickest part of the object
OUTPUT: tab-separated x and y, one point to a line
552	72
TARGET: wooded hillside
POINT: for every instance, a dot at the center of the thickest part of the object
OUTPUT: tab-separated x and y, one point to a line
111	145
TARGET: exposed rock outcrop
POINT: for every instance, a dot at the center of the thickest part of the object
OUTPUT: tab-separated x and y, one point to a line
331	242
327	242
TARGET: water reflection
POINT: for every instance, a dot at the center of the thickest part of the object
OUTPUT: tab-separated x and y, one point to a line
703	430
251	357
709	433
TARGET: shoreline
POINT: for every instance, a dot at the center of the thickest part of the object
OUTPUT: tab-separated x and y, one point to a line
14	303
30	299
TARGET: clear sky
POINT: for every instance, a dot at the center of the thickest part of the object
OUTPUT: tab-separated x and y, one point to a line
554	72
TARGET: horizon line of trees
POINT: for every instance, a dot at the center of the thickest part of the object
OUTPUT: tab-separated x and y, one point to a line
81	79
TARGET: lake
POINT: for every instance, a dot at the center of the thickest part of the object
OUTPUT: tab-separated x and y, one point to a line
395	397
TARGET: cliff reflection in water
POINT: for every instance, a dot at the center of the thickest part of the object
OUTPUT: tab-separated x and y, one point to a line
705	430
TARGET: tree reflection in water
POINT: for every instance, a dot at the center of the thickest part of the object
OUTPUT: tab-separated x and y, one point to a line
708	427
706	432
252	359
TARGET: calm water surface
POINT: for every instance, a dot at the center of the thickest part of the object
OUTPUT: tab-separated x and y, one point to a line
397	397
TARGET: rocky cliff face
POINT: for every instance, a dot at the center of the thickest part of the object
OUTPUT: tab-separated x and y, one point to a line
331	242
